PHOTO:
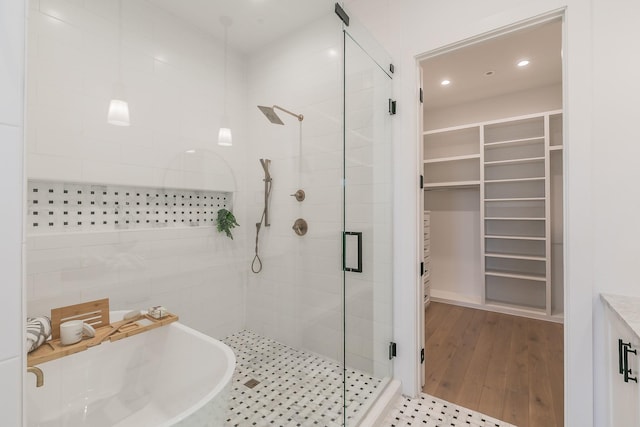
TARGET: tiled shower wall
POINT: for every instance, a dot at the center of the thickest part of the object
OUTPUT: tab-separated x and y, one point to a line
173	79
297	298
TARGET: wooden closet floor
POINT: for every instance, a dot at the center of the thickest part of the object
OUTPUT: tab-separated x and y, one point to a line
507	367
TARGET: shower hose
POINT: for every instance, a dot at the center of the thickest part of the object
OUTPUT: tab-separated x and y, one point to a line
256	264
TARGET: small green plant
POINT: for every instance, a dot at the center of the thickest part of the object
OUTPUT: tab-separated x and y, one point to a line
225	222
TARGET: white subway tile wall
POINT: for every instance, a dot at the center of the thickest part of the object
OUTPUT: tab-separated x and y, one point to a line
195	272
297	298
173	79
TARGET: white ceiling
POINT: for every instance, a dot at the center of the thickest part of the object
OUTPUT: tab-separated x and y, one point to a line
256	23
466	67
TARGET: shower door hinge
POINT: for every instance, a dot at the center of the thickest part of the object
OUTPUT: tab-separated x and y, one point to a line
422	355
342	14
421	96
422	269
392	350
392	69
421	182
392	106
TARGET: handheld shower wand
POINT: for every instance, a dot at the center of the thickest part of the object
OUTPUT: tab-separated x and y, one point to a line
267	189
256	264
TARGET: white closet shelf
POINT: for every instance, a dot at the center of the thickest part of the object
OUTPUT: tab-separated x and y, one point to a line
514	142
517	199
514	161
555	147
494	236
515	256
451	128
452	184
495	218
534	277
493	181
452	158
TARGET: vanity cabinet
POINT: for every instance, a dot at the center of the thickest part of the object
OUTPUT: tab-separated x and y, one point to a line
622	355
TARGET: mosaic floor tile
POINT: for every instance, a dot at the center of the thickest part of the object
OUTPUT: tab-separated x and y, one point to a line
429	411
294	388
276	385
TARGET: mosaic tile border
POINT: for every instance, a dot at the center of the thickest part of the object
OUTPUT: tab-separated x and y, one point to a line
67	207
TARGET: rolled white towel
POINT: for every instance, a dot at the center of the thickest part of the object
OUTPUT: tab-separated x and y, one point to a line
38	332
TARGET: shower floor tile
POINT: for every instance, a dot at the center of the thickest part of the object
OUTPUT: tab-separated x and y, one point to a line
429	411
294	388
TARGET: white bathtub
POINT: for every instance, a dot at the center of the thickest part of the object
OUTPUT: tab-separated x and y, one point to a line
169	376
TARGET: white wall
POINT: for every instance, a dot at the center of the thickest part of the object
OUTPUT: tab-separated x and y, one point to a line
12	365
615	227
514	104
173	79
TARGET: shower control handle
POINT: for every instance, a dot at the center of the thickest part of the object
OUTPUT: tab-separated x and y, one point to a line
300	227
299	195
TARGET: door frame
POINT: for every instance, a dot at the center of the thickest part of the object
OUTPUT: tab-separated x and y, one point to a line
479	38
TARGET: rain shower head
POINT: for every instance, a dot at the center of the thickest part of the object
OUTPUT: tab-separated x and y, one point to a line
273	117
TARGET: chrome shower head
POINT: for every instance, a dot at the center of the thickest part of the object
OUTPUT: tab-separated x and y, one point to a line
273	117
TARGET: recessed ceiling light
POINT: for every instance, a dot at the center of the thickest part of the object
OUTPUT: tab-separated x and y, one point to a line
523	63
332	52
445	82
190	151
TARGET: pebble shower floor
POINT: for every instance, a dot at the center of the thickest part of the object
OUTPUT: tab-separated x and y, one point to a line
295	388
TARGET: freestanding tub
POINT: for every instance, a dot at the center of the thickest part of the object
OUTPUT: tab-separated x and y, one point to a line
169	376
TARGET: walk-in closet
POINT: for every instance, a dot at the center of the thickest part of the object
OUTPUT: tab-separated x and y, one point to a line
492	154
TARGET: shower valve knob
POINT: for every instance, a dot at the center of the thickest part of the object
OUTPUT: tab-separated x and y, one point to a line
300	227
299	195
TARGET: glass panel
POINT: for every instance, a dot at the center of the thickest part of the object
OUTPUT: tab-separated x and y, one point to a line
367	214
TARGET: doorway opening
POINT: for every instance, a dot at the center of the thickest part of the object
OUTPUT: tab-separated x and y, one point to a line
493	276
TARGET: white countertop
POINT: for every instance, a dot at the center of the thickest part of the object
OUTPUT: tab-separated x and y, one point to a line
627	309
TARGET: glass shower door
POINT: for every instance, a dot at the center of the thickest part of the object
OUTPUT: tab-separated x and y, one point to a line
367	227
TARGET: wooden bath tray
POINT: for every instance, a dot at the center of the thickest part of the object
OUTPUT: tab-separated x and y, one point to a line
52	349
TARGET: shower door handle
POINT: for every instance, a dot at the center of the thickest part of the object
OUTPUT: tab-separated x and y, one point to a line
358	234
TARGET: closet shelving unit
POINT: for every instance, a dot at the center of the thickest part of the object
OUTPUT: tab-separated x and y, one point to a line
517	165
452	157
